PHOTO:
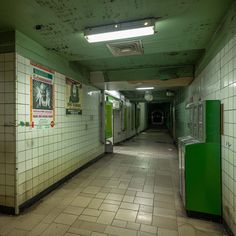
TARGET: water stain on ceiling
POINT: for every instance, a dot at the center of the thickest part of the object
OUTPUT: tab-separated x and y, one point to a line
184	28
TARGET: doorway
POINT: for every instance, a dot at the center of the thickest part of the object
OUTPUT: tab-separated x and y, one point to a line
160	116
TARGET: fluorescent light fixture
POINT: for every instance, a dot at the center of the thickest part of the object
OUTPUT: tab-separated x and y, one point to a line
145	88
121	34
120	31
113	93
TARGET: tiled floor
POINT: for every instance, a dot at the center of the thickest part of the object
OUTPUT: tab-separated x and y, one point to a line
133	192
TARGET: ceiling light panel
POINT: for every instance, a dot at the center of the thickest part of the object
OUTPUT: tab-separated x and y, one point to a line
120	31
145	88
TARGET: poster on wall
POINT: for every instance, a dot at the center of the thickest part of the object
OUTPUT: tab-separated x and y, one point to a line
74	97
42	114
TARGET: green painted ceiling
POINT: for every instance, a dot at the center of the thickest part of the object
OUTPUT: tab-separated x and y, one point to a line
184	28
162	59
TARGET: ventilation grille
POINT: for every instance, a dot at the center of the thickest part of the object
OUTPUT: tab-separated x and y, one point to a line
126	48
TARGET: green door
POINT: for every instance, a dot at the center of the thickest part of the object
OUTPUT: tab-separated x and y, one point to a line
108	120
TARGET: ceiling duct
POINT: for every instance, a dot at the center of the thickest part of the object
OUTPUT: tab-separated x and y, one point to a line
127	48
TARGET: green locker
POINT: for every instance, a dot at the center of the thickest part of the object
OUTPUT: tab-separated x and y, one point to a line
203	178
202	164
209	121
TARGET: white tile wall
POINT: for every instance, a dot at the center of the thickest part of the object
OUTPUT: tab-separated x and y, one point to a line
143	117
7	130
130	127
46	156
218	81
118	133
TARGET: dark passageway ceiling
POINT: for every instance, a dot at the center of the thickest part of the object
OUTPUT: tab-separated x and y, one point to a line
184	28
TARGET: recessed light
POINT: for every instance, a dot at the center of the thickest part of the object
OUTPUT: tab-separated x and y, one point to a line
145	88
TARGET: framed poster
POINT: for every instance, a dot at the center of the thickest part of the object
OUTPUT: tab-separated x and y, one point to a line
74	97
42	113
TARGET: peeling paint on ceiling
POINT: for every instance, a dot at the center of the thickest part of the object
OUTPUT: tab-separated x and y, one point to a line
184	28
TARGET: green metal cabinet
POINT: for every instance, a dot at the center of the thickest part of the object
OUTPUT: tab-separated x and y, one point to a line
203	178
202	163
209	121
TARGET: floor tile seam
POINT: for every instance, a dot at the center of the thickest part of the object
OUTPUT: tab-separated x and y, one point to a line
200	229
125	225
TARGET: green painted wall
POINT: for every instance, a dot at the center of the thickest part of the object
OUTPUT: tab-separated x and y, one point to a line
16	41
34	51
181	117
225	31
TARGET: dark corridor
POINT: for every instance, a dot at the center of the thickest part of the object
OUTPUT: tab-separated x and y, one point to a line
159	115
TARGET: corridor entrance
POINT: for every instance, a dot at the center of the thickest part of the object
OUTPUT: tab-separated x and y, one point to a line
132	192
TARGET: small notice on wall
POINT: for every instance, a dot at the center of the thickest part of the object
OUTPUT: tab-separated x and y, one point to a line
73	97
42	97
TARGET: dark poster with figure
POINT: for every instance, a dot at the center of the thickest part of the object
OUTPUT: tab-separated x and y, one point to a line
42	95
74	97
